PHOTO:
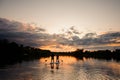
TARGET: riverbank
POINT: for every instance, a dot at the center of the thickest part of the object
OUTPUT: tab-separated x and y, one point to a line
12	52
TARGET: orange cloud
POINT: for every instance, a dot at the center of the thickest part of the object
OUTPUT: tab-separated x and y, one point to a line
59	48
113	44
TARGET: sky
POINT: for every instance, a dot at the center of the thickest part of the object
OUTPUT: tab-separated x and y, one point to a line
61	25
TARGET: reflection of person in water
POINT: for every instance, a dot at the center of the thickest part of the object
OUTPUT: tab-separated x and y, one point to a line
57	61
52	66
57	66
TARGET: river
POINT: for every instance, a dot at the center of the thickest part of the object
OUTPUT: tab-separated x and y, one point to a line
70	68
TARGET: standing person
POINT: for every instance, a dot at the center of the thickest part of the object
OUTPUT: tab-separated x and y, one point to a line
57	58
52	58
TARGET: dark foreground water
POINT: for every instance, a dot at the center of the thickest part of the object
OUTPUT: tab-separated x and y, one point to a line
69	68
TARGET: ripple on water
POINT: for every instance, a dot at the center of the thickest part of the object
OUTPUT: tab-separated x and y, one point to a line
69	69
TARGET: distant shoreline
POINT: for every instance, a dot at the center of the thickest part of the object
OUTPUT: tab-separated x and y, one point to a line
12	53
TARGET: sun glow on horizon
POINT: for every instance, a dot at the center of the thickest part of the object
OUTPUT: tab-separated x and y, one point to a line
59	48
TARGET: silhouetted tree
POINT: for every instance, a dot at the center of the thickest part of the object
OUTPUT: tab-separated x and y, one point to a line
11	52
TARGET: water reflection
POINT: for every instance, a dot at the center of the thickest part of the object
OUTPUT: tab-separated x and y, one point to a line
62	59
88	69
69	68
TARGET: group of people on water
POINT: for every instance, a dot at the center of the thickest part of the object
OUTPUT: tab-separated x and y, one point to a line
52	59
57	62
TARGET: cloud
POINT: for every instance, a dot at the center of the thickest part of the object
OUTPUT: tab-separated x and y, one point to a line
110	37
73	30
90	35
7	25
30	35
92	40
22	33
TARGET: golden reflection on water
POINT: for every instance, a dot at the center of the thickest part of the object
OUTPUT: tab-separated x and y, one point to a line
115	66
86	68
69	68
63	59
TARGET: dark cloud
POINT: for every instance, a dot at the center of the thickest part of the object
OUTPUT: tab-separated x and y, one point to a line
72	31
90	35
22	33
107	38
75	38
7	25
103	48
92	39
35	36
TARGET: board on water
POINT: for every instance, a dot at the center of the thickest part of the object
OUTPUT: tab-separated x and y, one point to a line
55	63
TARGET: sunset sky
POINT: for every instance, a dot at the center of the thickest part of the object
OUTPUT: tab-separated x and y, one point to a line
61	25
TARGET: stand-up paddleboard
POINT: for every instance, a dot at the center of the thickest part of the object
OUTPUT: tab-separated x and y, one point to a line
55	63
52	63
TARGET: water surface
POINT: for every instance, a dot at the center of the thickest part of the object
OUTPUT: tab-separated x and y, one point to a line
69	68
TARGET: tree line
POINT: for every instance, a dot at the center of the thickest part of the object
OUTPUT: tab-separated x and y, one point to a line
100	54
11	52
